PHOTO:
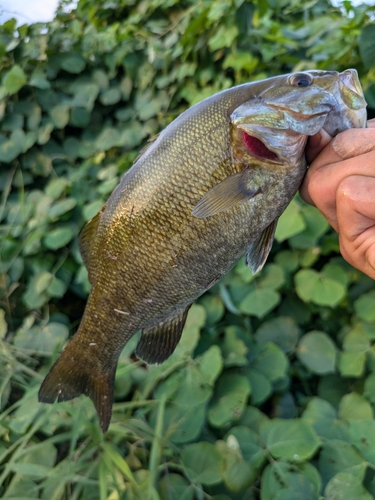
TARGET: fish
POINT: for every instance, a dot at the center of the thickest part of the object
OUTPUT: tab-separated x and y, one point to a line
206	191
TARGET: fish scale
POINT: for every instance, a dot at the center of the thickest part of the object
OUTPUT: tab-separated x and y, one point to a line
209	189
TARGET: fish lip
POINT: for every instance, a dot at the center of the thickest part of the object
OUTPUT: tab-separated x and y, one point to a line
300	116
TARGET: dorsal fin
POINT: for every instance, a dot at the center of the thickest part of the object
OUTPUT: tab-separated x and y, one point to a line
158	343
259	249
87	237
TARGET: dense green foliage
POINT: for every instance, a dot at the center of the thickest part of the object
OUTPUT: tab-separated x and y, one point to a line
271	392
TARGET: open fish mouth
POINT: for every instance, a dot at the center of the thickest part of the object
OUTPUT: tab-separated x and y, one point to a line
258	148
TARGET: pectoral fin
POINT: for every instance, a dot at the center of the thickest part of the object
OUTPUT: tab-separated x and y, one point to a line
259	249
225	195
158	343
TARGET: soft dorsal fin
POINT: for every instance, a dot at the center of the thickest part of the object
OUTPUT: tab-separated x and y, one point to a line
87	237
158	343
259	249
225	195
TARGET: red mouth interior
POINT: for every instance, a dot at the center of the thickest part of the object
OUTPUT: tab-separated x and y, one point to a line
258	148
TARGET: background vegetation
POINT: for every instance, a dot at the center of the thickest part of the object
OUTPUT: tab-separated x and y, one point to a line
271	393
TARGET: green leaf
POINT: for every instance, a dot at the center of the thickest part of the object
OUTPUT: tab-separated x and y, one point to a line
3	325
353	406
42	282
110	97
281	331
259	302
271	362
61	207
240	61
272	277
352	364
293	440
317	352
369	388
193	389
367	46
42	339
233	348
249	444
322	416
37	162
261	386
229	401
34	470
290	223
175	487
338	456
202	462
283	481
72	63
210	364
38	79
238	475
362	436
315	226
91	209
60	115
214	308
14	79
58	238
312	286
344	486
107	139
305	281
10	149
184	423
364	306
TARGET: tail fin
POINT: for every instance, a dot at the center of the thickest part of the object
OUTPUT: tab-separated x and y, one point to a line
74	375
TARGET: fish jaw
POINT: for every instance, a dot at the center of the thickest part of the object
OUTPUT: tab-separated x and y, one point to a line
283	116
351	105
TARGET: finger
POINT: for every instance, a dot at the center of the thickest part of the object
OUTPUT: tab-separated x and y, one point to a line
354	142
356	221
371	123
349	144
315	144
320	186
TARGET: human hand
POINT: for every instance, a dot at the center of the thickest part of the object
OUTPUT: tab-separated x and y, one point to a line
341	184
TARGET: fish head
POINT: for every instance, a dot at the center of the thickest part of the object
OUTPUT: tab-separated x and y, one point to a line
274	125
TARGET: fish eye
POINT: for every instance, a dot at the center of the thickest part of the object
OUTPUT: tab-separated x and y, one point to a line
301	80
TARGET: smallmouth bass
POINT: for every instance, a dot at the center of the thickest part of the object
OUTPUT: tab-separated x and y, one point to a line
208	190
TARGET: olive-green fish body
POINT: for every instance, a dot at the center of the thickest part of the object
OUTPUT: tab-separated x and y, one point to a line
209	189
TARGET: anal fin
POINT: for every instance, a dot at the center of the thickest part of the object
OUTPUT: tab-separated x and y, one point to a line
259	249
158	343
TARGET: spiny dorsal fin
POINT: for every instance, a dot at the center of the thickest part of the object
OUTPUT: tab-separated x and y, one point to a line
73	375
259	249
158	343
87	237
145	148
232	190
